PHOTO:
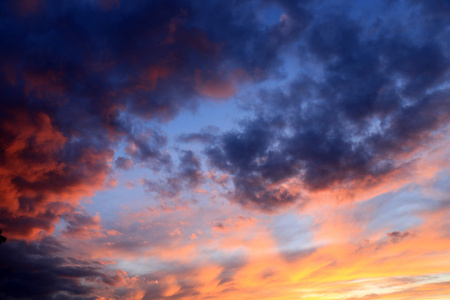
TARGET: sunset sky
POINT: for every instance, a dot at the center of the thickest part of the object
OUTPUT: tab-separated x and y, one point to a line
225	149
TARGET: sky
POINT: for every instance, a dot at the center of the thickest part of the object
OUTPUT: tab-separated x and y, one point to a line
252	149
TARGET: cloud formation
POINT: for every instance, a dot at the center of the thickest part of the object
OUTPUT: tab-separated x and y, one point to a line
36	270
371	99
105	195
76	75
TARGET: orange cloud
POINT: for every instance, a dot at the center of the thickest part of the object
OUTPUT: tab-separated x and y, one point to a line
38	184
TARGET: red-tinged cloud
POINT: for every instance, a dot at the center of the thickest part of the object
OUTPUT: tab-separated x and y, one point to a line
40	178
81	225
346	256
30	152
71	91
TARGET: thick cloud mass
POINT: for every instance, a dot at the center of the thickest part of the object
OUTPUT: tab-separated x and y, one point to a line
36	271
376	95
74	75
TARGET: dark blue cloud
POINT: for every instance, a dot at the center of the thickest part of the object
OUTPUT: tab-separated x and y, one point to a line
36	270
378	95
85	73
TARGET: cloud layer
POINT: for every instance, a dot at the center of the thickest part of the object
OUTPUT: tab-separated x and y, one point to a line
322	170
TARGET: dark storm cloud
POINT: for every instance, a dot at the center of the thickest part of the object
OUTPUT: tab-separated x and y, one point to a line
24	225
75	75
35	270
374	97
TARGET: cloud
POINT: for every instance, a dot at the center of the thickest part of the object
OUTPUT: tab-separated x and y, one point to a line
214	87
397	236
187	176
47	269
148	148
72	89
124	163
336	128
190	169
81	225
36	270
43	171
233	224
